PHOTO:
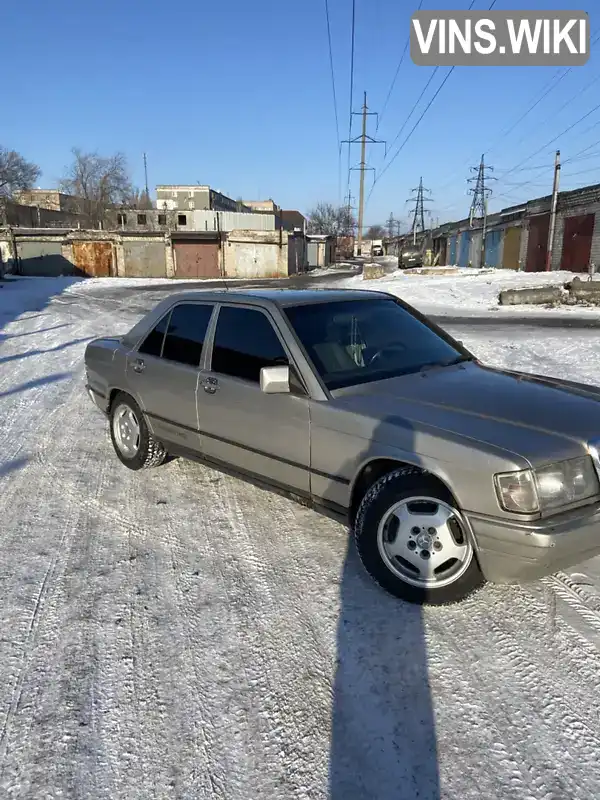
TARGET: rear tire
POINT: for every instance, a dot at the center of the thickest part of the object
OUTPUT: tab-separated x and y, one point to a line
404	561
134	445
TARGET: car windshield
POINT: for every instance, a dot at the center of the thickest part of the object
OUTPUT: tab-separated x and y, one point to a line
357	341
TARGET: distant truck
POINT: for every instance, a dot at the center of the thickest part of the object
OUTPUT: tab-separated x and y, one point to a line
377	247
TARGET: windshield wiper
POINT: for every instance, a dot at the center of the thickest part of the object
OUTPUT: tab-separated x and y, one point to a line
434	364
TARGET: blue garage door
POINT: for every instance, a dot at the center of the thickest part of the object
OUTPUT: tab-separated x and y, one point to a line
492	248
452	251
463	255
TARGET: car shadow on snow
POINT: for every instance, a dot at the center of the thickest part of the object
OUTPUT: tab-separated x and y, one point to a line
383	737
37	352
20	295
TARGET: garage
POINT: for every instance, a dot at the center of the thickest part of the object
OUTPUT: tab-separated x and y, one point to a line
577	243
144	259
512	247
42	259
537	246
94	259
196	258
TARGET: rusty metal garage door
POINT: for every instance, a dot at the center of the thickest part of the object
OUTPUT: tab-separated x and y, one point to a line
577	243
94	258
512	247
199	259
537	246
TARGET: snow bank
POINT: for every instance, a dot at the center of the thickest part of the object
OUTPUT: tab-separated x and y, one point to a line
469	291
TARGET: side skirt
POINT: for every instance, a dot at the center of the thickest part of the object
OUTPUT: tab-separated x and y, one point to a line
331	510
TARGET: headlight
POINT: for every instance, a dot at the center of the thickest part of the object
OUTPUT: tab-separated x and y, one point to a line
566	482
547	488
516	492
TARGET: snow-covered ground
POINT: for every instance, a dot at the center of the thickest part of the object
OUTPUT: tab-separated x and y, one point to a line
181	634
469	292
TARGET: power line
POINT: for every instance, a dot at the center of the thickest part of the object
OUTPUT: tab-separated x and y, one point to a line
427	107
351	82
566	130
395	78
414	127
335	103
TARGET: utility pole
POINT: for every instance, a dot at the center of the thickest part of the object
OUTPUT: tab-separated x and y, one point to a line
364	138
146	175
479	205
418	212
553	208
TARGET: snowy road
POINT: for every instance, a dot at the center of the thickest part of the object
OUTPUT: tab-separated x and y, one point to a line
181	634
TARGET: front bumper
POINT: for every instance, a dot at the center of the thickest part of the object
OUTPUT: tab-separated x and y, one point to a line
511	552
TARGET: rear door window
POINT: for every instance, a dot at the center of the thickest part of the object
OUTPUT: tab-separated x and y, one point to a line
152	344
245	341
186	333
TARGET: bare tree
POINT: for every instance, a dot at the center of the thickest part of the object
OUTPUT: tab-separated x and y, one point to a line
97	182
138	198
16	174
325	218
375	232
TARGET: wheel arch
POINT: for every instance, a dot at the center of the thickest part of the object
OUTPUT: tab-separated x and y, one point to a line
378	466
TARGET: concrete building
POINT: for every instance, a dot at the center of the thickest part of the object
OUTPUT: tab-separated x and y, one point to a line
293	221
263	205
194	197
49	199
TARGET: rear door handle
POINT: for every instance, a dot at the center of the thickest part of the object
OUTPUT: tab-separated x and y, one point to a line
211	385
138	365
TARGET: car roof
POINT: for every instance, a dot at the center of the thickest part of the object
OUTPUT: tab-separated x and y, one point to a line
280	297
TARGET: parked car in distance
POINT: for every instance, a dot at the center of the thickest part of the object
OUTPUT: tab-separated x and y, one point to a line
410	257
448	472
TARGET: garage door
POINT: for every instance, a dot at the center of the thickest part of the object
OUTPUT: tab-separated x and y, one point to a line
512	247
196	259
43	258
537	246
577	243
144	260
93	258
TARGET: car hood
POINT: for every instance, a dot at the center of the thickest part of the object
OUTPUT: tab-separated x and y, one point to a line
482	403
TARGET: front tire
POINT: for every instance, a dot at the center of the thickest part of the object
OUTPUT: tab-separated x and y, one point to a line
134	444
414	541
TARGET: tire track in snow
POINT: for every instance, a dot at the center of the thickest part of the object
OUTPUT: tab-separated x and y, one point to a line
540	710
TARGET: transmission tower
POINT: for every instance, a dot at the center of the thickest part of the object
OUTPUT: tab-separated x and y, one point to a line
363	140
479	204
418	212
480	191
391	225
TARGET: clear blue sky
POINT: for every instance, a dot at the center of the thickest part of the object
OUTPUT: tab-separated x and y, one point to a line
238	95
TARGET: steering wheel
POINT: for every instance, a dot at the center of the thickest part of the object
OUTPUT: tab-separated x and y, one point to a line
388	348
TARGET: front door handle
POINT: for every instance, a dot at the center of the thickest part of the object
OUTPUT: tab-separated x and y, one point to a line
138	365
211	385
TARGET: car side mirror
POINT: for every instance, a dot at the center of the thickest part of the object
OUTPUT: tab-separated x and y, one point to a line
275	380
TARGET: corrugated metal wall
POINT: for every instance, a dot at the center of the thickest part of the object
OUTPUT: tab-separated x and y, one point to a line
463	249
144	259
231	221
492	248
